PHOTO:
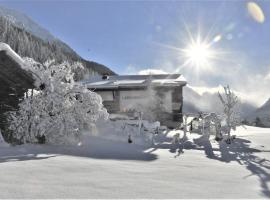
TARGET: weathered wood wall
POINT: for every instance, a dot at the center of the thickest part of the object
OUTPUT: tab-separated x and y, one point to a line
113	106
170	119
14	82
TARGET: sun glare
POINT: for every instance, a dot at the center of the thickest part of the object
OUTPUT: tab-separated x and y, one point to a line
198	53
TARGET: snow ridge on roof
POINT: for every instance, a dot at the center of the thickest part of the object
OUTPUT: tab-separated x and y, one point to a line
135	80
5	47
123	82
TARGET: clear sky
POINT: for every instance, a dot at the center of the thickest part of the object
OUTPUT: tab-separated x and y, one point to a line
129	36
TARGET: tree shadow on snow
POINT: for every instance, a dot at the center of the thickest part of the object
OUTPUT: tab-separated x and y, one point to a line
23	153
99	148
240	151
96	148
197	144
26	157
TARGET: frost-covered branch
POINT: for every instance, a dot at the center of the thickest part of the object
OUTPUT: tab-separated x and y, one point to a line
229	102
59	109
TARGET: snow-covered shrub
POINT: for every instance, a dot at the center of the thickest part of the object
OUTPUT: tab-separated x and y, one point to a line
59	109
122	129
230	109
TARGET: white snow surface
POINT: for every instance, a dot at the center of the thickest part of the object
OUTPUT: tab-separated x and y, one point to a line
99	83
124	82
164	81
151	71
102	168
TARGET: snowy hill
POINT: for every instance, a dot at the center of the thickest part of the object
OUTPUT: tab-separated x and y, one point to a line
263	113
26	23
23	21
28	39
264	109
206	99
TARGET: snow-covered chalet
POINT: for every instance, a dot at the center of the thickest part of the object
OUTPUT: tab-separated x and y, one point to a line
127	93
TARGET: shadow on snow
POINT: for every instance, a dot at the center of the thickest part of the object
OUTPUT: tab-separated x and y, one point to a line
96	148
239	151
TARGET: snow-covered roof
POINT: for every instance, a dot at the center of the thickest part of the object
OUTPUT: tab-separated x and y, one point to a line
13	68
129	81
15	80
99	83
5	47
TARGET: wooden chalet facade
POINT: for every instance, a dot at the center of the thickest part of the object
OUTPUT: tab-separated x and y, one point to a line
124	93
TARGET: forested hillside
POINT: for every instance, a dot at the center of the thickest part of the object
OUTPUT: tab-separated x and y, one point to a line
29	45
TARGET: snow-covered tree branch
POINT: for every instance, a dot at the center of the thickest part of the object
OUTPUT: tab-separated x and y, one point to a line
229	101
59	109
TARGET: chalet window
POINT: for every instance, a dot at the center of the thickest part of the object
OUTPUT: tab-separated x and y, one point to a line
106	95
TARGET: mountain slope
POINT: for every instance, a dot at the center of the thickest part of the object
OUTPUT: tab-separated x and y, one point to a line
28	39
23	21
262	114
208	101
265	108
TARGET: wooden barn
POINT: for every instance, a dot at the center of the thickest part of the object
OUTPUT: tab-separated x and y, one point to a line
14	82
126	93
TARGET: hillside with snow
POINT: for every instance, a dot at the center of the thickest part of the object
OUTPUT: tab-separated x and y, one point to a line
101	168
23	21
206	99
29	39
263	113
198	99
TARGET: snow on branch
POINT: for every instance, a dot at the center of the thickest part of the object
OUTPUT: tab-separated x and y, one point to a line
59	109
230	101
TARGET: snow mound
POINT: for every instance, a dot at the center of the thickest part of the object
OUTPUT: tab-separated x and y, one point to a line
140	132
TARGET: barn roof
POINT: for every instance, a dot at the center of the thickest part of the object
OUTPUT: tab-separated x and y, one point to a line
13	72
131	81
15	79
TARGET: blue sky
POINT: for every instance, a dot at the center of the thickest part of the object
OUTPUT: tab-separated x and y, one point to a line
129	36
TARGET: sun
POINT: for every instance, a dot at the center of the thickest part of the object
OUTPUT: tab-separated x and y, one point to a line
198	53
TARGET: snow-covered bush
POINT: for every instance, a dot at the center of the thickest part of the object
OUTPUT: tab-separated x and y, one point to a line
230	109
140	132
59	109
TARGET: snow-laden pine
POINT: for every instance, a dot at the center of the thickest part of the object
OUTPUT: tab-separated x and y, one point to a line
59	109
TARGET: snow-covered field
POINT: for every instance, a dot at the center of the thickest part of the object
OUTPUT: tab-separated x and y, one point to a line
110	169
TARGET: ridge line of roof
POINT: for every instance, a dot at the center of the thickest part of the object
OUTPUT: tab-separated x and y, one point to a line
145	75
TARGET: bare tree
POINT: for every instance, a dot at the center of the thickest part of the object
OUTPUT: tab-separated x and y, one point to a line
229	101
